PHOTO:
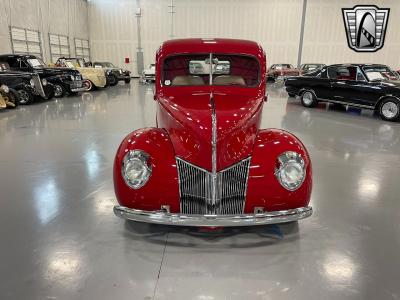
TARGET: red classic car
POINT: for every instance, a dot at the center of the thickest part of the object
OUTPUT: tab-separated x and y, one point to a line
207	163
281	71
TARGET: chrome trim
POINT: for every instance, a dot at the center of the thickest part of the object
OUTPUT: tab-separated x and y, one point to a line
346	103
196	194
285	158
143	156
164	218
82	89
213	150
38	85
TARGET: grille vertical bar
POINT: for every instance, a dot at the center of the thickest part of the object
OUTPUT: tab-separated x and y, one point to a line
195	189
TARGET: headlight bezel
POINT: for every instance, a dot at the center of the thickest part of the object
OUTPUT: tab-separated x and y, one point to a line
32	82
138	156
286	159
44	82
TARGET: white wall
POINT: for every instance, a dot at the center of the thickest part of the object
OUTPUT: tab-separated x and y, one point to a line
275	24
66	17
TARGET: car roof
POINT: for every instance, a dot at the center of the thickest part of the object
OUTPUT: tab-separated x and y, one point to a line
211	45
356	65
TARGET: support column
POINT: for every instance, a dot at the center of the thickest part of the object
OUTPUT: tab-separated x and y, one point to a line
139	49
303	21
172	12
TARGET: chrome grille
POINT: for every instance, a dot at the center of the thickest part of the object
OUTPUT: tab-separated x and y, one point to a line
195	187
38	85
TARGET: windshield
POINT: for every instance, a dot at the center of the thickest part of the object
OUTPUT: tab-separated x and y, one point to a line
70	64
36	63
226	70
103	65
284	66
379	73
311	67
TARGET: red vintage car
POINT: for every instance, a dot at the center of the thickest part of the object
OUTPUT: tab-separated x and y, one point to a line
277	71
207	163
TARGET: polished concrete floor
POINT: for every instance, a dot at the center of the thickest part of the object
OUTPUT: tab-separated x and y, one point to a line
60	239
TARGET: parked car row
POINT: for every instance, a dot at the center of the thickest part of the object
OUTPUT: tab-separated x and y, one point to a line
26	78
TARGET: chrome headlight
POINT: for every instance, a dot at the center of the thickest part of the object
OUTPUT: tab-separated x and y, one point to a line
290	170
120	71
136	169
72	77
44	81
4	88
32	82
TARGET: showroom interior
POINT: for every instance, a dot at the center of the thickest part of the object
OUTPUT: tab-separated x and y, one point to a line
213	149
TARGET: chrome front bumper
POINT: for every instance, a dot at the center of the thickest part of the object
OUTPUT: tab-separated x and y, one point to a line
77	86
161	217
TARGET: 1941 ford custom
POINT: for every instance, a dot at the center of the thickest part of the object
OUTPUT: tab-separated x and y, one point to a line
207	163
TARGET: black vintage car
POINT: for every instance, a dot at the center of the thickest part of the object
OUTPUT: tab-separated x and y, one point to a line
113	73
370	86
64	80
28	86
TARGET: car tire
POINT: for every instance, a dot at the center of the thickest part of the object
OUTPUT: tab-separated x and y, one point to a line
24	97
113	81
389	109
59	90
88	85
128	80
308	99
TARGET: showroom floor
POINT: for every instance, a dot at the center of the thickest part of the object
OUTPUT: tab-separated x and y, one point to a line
60	239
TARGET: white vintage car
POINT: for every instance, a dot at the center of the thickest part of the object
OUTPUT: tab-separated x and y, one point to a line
149	74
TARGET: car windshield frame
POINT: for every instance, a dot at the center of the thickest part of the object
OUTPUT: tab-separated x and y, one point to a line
35	66
210	74
384	77
108	65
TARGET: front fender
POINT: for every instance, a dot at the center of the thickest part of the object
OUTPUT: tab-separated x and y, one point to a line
162	187
263	189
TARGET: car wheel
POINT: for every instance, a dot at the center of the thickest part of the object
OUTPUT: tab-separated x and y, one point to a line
128	80
389	109
308	99
24	97
113	80
88	85
59	91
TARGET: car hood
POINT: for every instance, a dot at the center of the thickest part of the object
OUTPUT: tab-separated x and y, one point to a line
93	71
53	71
188	118
391	83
